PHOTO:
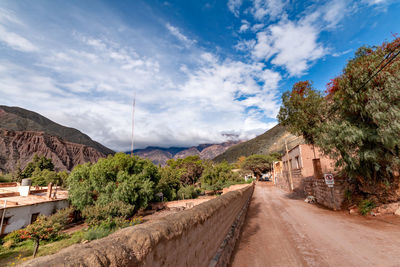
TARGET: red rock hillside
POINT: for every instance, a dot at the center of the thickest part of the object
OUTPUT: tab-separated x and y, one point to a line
22	145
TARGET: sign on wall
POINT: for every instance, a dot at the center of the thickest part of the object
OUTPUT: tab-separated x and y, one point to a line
329	180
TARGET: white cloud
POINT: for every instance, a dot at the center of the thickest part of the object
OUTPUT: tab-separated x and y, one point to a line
290	45
87	81
245	26
272	9
178	34
16	41
376	2
234	6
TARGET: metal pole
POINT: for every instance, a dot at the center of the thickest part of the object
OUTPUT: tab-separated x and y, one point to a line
2	216
290	167
133	122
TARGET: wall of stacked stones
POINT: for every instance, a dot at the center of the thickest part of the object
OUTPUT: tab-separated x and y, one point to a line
202	236
332	198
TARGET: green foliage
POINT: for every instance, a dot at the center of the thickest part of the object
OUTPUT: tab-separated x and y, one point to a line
365	206
259	164
188	192
42	163
358	122
364	134
95	215
13	238
63	216
97	233
44	177
169	183
303	110
116	179
190	168
6	178
216	177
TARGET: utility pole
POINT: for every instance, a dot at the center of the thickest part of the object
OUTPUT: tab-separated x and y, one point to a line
133	122
289	166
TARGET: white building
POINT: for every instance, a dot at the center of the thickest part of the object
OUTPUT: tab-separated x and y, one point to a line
21	205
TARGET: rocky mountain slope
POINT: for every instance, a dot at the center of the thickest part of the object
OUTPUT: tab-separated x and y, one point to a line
19	119
160	155
24	133
271	141
18	147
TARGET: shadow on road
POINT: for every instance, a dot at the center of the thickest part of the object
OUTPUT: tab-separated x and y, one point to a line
249	229
295	195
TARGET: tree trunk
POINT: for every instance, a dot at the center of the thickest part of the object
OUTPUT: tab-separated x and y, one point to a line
35	247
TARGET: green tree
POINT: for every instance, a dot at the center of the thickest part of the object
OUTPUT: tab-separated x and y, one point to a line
169	183
190	167
46	228
259	164
44	177
303	111
42	163
118	177
363	132
218	176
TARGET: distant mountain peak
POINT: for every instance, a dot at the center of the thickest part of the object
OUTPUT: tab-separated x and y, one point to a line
160	155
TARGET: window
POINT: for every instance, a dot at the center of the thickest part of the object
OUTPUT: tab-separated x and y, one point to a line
297	162
5	223
34	217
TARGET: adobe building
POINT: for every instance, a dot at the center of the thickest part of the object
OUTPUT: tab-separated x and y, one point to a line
299	161
20	205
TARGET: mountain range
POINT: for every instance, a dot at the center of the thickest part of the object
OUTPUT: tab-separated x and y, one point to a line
24	133
160	156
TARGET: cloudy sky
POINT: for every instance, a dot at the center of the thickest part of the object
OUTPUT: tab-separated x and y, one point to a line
200	69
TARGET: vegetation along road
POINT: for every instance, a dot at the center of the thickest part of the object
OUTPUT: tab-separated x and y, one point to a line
284	231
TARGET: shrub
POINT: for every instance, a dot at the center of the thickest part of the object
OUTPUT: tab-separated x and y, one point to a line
63	216
365	206
188	192
13	238
169	183
216	177
95	215
44	228
97	232
122	178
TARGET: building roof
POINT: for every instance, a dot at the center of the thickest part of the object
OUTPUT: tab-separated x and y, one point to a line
10	192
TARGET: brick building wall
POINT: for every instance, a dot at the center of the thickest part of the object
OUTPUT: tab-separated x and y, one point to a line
306	182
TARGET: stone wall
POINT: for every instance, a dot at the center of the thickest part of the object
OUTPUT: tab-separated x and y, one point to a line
331	197
202	236
311	186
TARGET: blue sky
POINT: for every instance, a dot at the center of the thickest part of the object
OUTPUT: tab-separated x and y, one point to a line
199	69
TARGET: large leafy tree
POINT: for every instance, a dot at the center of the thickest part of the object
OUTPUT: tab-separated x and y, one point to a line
41	163
363	132
218	176
303	111
259	164
359	124
130	180
190	167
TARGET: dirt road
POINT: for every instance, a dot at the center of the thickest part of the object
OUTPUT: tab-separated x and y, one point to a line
282	231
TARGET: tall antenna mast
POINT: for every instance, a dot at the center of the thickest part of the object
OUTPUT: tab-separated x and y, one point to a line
133	122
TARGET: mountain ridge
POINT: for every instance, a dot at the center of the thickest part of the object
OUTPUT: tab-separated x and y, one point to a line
160	155
271	141
19	119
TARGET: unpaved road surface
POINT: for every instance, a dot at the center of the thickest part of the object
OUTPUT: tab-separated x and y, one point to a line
283	231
